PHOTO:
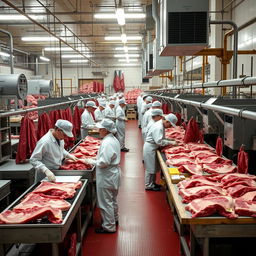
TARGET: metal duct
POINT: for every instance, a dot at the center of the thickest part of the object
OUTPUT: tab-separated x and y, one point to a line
14	85
40	86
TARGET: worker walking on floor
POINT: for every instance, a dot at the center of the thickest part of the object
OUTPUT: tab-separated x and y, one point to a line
87	121
49	151
107	176
120	124
155	139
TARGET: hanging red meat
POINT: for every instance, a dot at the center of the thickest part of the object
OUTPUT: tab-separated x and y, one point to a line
69	142
242	161
192	133
178	115
219	146
76	120
27	140
44	124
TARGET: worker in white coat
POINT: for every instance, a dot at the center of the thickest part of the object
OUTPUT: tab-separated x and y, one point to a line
110	111
156	115
147	100
107	176
87	121
99	113
139	103
120	124
154	140
49	151
144	121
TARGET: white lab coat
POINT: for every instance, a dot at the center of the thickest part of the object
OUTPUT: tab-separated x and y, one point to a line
120	126
155	138
87	123
151	122
110	113
47	154
145	120
99	114
108	180
139	103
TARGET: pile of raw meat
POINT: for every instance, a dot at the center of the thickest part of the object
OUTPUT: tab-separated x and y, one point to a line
131	96
229	195
47	200
195	158
33	103
86	149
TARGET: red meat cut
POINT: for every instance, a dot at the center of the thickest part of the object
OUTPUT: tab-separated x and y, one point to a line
199	192
62	190
242	161
190	183
180	161
219	168
41	200
247	182
214	159
176	150
201	154
249	196
224	205
230	178
191	168
239	190
219	146
19	216
198	146
245	208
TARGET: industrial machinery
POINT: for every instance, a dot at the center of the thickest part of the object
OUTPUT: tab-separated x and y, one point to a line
40	86
184	26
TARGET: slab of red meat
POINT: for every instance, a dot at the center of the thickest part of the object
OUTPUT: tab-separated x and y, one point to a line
242	161
19	216
223	205
198	146
247	182
176	150
179	155
63	190
219	146
202	154
191	168
199	192
249	196
41	200
214	159
180	161
212	177
75	166
219	168
245	208
230	178
191	183
239	190
192	133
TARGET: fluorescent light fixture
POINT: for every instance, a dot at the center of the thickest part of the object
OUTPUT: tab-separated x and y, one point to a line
124	38
44	58
78	61
12	17
129	65
119	38
114	16
129	48
37	9
120	16
68	56
4	54
53	49
125	55
130	60
38	38
126	49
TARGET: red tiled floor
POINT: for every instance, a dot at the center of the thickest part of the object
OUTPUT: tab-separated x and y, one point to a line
145	224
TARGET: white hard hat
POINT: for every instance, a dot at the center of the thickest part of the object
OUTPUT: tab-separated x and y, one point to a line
65	126
157	104
157	112
172	119
107	124
149	98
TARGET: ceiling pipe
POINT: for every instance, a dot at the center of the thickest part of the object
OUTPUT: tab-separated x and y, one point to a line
10	48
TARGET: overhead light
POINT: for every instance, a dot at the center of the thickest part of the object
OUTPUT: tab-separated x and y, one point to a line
4	54
117	38
44	58
130	60
38	9
125	55
129	64
114	16
14	17
52	49
125	49
124	38
78	61
129	48
67	56
120	16
38	38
